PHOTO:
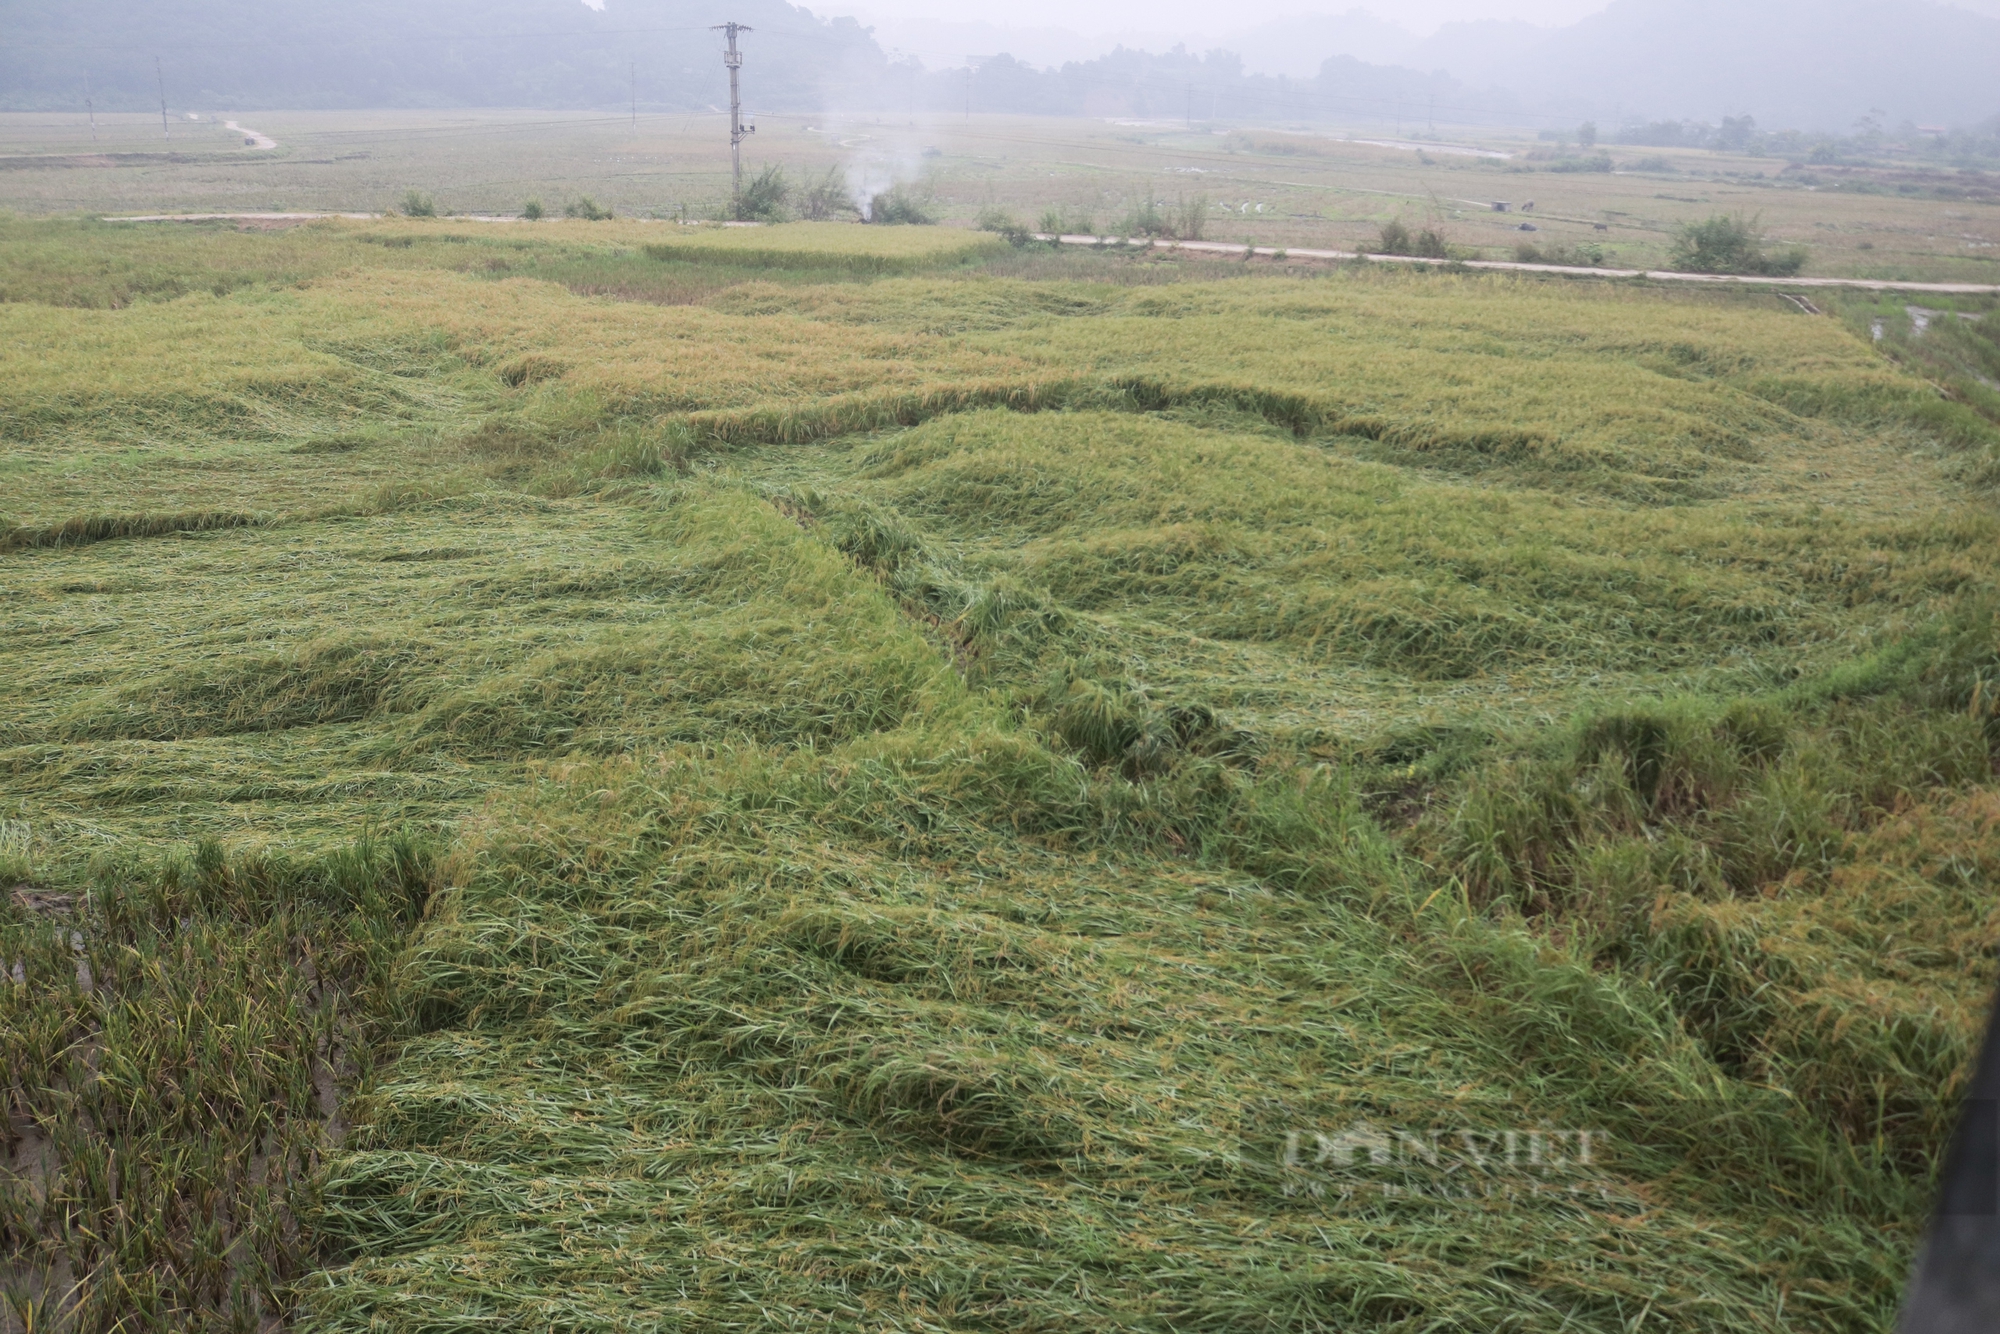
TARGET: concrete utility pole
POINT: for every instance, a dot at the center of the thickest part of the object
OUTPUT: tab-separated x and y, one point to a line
160	74
734	60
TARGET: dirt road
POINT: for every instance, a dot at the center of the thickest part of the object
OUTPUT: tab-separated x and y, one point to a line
251	138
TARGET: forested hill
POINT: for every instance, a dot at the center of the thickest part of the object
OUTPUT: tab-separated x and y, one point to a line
229	54
238	55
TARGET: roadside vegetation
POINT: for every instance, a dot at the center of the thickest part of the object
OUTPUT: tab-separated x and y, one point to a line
1398	239
1731	243
898	778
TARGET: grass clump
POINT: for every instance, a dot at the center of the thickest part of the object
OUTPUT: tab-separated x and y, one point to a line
1580	255
417	204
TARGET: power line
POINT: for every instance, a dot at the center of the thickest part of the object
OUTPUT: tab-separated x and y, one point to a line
405	40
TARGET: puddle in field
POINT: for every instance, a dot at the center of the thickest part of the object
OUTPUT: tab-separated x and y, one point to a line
1922	316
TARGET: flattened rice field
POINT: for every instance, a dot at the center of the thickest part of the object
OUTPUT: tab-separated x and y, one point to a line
873	782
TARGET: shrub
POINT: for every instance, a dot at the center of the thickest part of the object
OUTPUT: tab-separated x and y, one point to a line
901	205
532	211
826	198
1190	217
586	208
764	199
1061	222
1598	162
1576	256
1183	220
1728	243
1398	239
999	221
418	205
1146	220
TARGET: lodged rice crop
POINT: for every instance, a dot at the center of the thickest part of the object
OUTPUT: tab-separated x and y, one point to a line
955	802
1187	538
827	245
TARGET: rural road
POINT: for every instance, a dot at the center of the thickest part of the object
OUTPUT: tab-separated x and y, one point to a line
1659	275
251	138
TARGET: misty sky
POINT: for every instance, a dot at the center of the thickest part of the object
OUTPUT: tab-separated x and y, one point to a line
1419	16
1273	36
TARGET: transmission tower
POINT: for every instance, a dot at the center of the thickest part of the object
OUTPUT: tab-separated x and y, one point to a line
734	60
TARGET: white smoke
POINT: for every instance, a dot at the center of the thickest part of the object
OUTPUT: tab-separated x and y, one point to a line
880	156
865	180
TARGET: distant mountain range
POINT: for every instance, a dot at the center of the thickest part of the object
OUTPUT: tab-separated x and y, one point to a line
244	54
1807	64
1801	64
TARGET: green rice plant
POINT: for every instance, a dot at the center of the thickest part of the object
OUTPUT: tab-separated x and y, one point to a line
77	532
222	1003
